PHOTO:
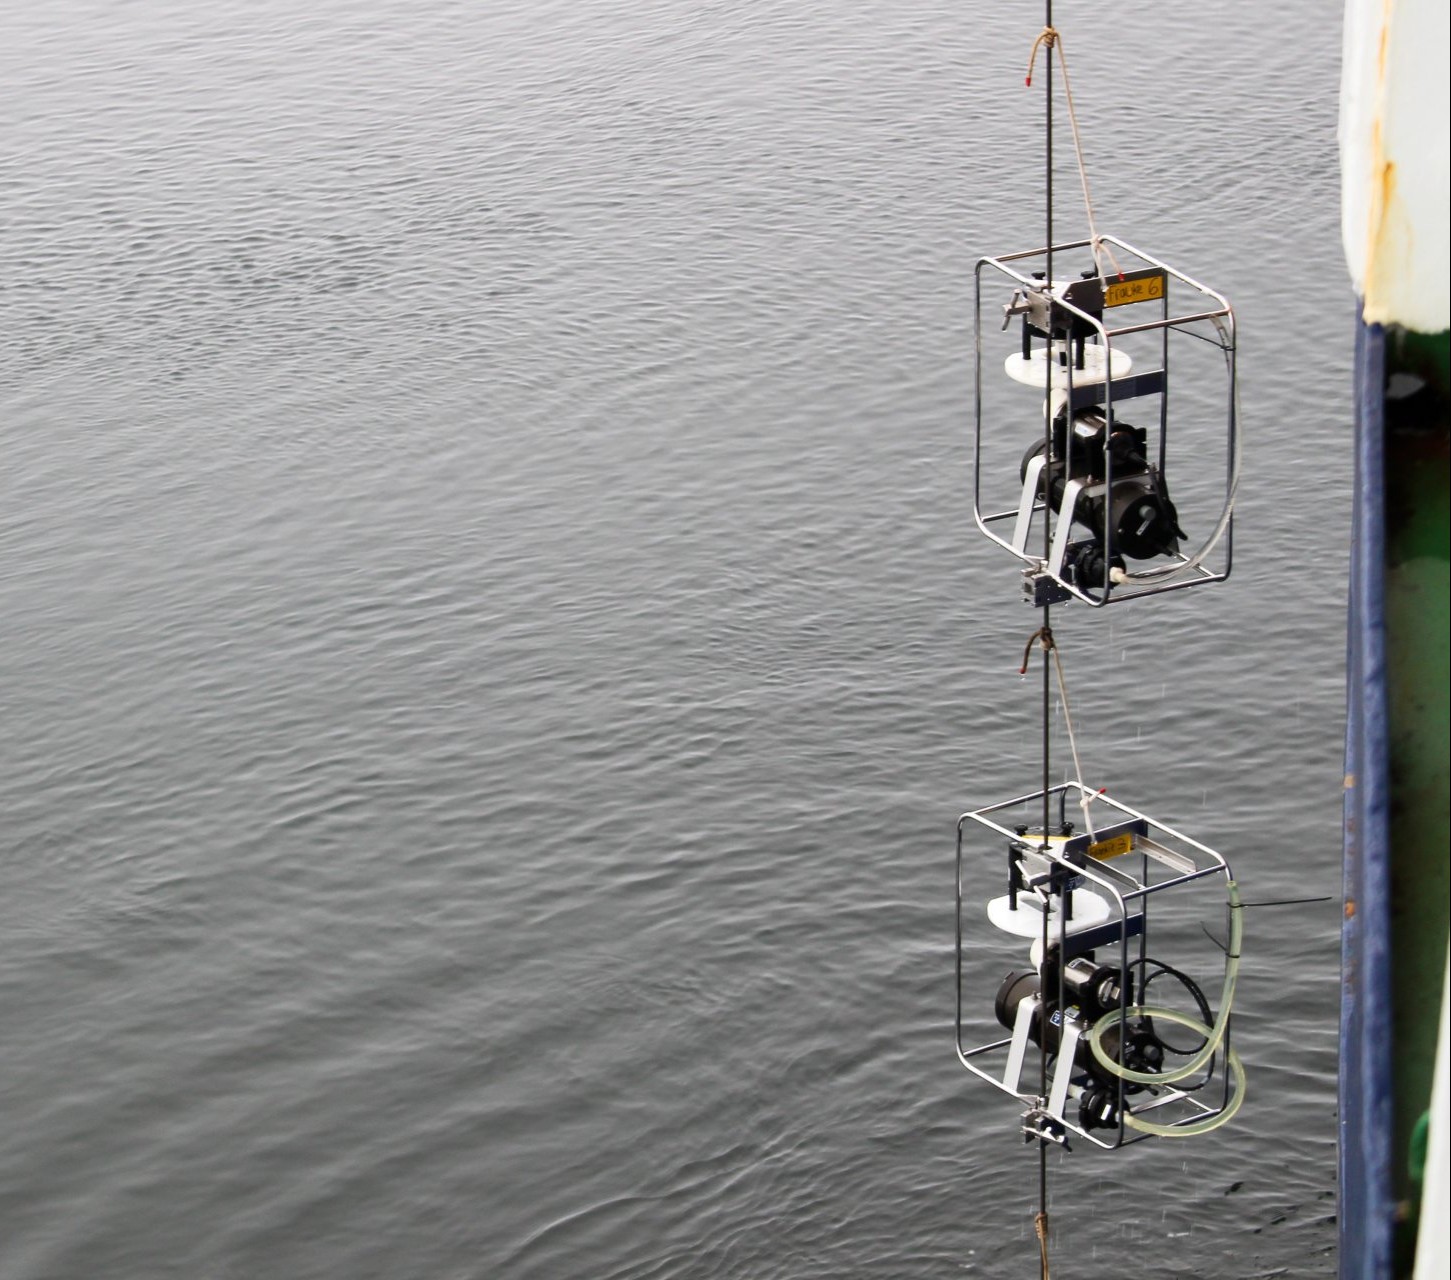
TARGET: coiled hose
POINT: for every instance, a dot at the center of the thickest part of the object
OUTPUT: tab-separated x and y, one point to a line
1213	1038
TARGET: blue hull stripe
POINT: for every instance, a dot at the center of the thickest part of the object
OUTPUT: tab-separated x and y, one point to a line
1366	1208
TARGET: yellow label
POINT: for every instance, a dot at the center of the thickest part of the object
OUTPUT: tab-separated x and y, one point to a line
1121	292
1115	848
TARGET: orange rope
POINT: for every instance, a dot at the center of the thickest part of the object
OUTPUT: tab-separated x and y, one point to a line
1049	38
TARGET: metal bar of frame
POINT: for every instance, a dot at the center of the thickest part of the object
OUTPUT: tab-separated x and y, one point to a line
1230	346
1164	396
1176	322
1072	785
1122	1136
1230	470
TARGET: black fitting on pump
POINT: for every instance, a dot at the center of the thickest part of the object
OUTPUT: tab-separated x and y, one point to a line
1136	518
1090	991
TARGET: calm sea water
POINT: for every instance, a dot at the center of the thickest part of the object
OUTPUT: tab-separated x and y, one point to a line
493	646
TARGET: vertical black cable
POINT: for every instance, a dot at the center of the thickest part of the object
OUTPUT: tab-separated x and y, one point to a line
1048	364
1048	368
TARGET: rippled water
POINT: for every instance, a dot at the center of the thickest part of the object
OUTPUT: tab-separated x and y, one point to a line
492	645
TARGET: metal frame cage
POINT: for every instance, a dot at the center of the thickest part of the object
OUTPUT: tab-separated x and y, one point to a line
1166	861
1211	320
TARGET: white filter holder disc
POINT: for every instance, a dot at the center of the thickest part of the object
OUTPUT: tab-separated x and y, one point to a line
1097	366
1026	920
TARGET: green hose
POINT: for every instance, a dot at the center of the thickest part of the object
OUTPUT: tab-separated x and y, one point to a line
1209	1123
1213	1038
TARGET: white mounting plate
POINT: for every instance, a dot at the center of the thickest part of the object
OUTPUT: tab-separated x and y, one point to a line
1033	372
1026	921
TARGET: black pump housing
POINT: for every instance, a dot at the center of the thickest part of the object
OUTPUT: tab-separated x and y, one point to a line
1136	518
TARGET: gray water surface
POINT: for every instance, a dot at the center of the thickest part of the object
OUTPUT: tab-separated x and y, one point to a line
493	645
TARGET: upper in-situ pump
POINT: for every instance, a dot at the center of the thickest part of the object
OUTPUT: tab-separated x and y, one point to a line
1094	520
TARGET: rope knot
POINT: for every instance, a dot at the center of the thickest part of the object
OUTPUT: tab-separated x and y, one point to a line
1043	634
1048	38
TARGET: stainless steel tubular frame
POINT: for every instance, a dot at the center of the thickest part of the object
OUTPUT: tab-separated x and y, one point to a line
1220	315
1123	889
